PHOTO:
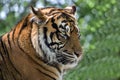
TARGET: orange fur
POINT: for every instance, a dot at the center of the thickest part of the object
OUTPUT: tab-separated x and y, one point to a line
40	47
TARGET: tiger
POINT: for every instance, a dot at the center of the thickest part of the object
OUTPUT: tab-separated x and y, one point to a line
42	46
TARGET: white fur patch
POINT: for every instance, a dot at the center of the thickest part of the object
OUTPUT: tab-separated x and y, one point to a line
69	66
32	18
38	40
50	56
34	39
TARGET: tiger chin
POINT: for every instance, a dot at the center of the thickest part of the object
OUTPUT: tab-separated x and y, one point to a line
42	46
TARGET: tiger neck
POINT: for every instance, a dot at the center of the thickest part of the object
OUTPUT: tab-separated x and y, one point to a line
23	54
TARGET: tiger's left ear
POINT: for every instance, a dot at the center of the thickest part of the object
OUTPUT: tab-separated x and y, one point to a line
71	9
40	17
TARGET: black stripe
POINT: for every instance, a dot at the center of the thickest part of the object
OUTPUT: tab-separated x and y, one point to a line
13	35
1	75
52	11
45	36
3	46
46	74
8	36
24	25
45	40
54	25
4	61
7	54
53	43
64	15
60	47
51	36
45	33
67	17
57	35
64	21
31	34
61	26
65	24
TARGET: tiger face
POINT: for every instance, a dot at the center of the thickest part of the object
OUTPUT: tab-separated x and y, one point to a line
58	36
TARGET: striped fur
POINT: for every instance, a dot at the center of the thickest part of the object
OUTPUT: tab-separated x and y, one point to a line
42	46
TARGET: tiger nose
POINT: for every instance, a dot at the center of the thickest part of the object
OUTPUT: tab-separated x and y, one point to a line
78	53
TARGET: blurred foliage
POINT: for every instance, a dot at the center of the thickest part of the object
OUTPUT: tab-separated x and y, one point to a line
99	24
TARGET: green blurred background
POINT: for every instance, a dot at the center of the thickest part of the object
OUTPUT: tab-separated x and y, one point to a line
99	23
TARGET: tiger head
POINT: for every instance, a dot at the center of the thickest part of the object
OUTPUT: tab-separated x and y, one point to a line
57	37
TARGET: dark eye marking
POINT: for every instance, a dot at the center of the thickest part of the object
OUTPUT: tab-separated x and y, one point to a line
61	26
66	24
64	21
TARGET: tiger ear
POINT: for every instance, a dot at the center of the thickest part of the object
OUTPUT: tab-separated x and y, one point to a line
71	9
39	14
